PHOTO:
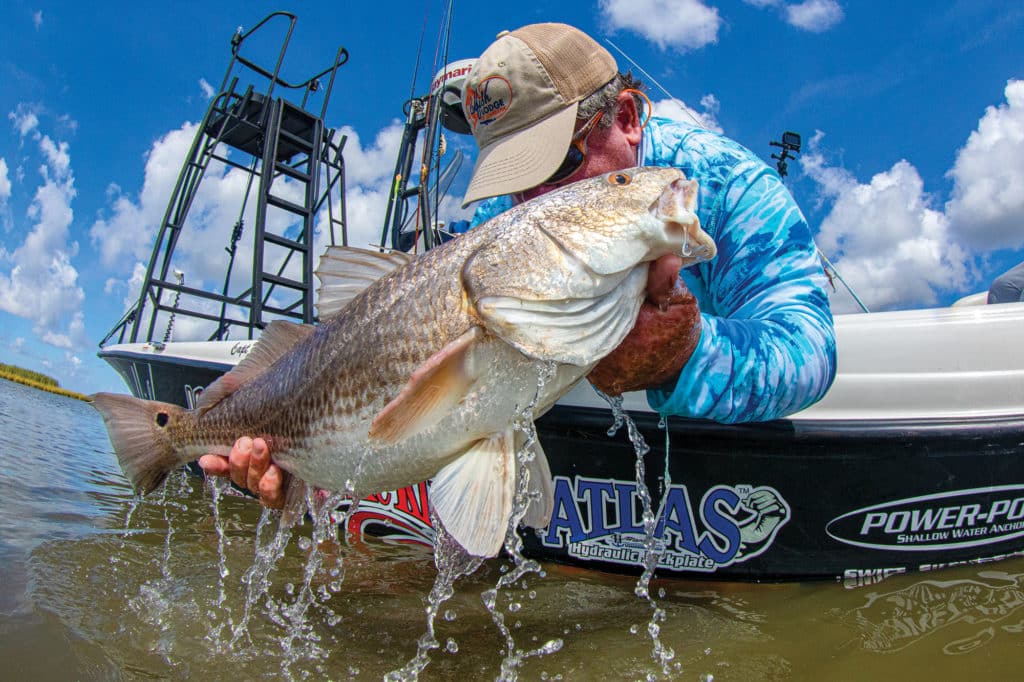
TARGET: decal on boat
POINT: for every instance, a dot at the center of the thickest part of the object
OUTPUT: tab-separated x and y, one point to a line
950	520
602	520
400	516
862	577
241	348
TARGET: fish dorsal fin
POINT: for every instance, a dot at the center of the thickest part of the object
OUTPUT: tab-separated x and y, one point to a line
345	271
434	389
277	339
472	496
539	491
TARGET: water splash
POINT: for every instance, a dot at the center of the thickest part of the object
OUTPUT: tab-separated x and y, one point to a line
217	487
521	566
300	640
452	562
653	548
267	554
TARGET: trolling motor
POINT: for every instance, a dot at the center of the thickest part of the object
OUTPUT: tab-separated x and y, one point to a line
447	87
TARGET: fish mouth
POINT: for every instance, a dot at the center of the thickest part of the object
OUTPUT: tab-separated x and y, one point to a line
675	207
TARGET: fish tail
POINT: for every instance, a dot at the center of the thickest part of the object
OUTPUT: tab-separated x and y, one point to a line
140	432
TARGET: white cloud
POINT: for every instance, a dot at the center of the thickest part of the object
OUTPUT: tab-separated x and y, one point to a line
368	176
679	110
37	19
987	204
42	285
679	24
814	15
208	91
56	155
885	237
810	15
5	182
24	119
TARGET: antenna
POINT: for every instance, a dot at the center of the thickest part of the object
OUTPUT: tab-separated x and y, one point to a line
790	143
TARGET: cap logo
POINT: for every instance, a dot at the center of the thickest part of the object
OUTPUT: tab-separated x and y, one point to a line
487	102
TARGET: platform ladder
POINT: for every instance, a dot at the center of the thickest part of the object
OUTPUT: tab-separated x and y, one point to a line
293	166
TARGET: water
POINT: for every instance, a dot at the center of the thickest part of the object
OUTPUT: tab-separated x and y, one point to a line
83	598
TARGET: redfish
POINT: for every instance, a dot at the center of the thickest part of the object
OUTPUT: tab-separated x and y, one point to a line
420	365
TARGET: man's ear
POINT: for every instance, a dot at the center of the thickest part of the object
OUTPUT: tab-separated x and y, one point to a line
627	117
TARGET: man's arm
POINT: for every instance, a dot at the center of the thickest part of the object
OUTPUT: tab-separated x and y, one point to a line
767	346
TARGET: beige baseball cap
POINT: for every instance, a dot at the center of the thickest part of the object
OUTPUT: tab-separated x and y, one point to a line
521	99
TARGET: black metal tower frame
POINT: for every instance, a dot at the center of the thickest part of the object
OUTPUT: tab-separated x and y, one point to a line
273	137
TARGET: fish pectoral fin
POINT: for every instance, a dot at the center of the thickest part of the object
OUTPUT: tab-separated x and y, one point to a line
472	496
279	337
345	271
577	331
539	491
432	392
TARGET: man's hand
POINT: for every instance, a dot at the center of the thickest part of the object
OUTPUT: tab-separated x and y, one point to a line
250	468
662	340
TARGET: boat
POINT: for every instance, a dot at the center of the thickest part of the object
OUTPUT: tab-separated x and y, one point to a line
913	460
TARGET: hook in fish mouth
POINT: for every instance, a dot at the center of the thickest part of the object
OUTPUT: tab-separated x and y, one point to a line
676	208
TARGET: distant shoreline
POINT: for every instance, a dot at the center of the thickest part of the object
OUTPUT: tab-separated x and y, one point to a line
43	387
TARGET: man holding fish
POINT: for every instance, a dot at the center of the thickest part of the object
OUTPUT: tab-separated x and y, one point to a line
745	336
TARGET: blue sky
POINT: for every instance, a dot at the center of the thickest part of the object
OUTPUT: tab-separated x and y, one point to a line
912	117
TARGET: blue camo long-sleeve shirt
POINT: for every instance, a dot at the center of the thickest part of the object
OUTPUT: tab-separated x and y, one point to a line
767	346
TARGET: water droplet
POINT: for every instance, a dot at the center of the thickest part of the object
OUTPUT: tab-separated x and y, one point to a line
305	544
707	677
451	646
634	628
449	615
661	592
514	606
289	589
532	594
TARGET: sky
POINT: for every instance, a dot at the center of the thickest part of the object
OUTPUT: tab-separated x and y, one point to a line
911	172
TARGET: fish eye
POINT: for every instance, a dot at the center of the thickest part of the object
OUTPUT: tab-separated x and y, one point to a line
161	419
619	179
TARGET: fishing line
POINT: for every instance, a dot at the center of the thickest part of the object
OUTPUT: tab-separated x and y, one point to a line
639	68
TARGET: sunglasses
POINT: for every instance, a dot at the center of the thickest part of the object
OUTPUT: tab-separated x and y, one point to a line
577	151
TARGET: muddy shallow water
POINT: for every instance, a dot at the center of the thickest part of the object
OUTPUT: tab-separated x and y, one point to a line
97	585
